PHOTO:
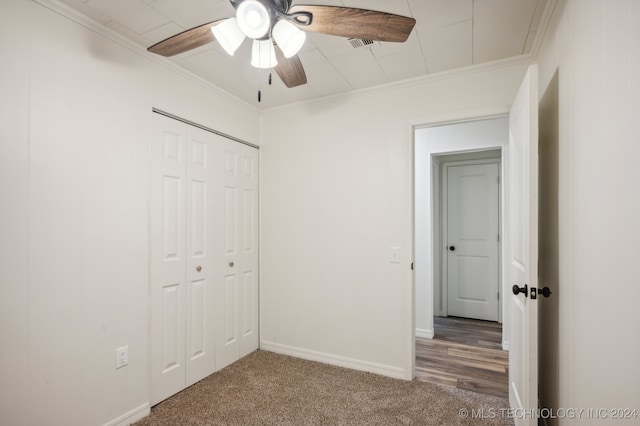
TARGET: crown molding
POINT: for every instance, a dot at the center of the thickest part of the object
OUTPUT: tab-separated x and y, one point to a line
524	59
547	13
417	81
112	35
101	29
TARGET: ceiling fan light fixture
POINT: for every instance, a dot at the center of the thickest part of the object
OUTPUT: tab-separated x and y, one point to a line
254	19
289	38
263	54
229	35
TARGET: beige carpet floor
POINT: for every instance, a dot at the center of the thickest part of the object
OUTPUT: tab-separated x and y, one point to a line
265	388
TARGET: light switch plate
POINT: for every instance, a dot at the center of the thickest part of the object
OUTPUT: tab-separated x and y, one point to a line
394	255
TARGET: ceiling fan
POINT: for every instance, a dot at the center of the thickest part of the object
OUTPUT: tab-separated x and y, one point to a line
276	29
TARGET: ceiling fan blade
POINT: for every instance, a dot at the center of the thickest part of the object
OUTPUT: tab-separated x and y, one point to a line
186	40
356	23
290	70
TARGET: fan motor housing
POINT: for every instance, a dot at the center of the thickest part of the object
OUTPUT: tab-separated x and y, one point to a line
279	5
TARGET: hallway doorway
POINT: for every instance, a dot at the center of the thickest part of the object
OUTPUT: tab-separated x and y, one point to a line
483	140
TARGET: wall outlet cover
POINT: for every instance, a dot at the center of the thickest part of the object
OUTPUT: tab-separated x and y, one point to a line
122	356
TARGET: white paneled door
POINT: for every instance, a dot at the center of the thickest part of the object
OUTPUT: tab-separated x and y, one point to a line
472	233
523	249
196	298
200	254
238	294
249	255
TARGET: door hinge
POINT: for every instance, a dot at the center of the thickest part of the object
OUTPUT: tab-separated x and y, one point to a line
498	237
412	266
498	295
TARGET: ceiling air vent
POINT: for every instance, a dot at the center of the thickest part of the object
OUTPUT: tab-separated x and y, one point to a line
360	42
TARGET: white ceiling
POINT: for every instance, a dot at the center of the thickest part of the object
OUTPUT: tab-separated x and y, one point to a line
449	34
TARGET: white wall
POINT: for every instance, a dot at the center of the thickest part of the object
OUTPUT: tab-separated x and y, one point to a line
75	113
337	193
595	48
430	141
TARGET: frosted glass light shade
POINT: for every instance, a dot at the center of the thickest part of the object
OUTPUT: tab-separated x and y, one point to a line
253	19
263	54
289	38
229	35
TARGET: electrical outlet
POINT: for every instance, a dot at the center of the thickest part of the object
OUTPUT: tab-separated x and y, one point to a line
122	356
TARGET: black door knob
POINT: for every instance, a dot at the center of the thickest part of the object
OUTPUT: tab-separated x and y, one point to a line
517	290
452	248
544	291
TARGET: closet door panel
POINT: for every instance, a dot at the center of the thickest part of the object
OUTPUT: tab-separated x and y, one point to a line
200	271
167	258
228	349
249	260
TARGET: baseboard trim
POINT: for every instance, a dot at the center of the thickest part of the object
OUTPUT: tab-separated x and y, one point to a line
425	334
132	416
354	364
505	345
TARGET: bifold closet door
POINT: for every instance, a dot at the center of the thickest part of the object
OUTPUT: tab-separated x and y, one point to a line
182	256
237	293
203	254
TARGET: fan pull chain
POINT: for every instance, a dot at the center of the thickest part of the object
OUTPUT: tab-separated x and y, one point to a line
260	74
270	63
259	79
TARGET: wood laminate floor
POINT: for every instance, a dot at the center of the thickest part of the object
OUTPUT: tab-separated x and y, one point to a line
466	354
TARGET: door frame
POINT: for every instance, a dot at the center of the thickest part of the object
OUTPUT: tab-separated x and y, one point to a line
427	257
441	288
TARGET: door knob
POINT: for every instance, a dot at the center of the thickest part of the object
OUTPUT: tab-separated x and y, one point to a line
452	248
544	291
231	264
517	290
198	268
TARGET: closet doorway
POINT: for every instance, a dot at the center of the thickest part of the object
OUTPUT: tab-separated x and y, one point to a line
203	220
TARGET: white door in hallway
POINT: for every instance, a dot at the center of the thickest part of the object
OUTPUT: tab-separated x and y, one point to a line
523	248
472	233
